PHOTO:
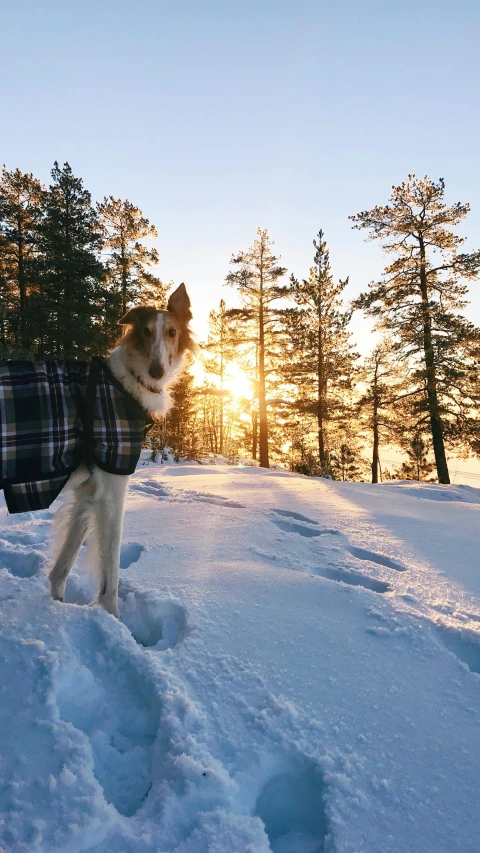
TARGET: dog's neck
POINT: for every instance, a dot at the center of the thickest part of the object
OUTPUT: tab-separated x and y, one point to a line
144	384
156	402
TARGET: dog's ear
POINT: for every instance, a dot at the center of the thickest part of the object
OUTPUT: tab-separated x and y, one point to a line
138	315
179	304
130	317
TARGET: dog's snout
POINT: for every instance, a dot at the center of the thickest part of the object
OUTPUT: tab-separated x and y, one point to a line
156	370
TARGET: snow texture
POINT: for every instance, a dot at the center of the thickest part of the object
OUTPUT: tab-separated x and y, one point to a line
296	670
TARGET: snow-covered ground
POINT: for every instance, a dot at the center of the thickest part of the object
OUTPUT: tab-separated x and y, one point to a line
298	670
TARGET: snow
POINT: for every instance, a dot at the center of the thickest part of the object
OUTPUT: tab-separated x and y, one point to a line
297	670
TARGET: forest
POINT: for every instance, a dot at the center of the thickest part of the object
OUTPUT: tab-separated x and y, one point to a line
281	381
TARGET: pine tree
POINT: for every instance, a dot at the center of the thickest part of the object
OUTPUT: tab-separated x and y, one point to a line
72	298
322	355
418	304
20	214
302	457
178	431
419	465
346	462
220	348
5	296
385	387
129	261
256	278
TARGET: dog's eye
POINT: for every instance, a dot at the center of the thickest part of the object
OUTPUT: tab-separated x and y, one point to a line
172	333
147	332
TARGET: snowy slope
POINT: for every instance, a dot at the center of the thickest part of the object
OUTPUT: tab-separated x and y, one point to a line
298	670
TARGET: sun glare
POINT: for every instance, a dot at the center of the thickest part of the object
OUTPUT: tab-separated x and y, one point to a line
237	382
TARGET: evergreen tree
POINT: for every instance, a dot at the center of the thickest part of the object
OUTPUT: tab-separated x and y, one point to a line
256	275
20	214
321	352
71	302
385	387
178	431
220	348
419	465
418	302
302	457
129	261
211	419
5	296
346	462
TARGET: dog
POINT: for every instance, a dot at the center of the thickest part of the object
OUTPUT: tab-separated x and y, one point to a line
148	360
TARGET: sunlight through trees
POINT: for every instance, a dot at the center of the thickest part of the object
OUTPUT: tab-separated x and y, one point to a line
278	380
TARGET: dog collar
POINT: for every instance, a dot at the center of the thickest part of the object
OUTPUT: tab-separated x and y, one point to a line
139	380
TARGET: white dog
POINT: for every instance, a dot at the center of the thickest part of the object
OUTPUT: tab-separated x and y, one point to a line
147	361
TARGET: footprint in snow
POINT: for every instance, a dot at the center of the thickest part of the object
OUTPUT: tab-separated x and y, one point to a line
154	623
151	487
291	806
464	644
354	579
81	588
308	532
130	553
103	694
296	515
35	535
19	560
373	557
215	500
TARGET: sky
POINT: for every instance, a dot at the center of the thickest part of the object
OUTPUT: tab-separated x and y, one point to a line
219	117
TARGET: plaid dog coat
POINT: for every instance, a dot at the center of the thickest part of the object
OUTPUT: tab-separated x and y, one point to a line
53	416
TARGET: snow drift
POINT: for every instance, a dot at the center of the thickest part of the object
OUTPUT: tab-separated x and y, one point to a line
297	670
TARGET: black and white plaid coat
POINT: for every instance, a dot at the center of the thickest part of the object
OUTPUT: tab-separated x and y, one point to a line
53	416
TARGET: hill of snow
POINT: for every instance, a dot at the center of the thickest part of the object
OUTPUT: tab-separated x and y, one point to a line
297	671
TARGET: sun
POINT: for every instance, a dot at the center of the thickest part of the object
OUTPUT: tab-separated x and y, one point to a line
237	382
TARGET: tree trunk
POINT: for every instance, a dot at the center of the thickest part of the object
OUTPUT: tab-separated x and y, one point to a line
262	403
254	435
221	390
435	421
124	280
321	402
66	333
22	287
375	460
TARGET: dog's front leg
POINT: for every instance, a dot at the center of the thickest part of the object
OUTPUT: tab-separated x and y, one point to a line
74	536
108	522
71	523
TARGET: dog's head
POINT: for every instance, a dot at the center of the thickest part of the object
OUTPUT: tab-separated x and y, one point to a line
156	341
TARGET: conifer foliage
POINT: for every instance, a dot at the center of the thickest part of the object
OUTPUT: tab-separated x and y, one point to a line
283	382
384	390
129	262
21	198
256	276
322	356
71	276
418	304
220	349
67	268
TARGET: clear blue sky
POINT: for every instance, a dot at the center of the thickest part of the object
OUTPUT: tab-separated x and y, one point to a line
217	117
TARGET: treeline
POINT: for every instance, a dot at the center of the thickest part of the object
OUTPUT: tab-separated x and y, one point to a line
316	405
70	268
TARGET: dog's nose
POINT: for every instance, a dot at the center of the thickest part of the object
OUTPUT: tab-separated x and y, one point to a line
156	370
